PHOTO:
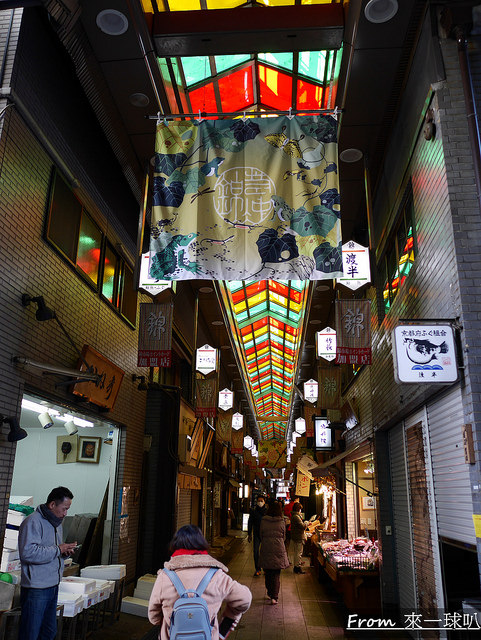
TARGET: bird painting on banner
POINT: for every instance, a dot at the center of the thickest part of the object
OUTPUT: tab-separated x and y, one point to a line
246	199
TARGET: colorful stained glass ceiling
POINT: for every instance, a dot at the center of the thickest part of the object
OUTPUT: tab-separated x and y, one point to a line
267	319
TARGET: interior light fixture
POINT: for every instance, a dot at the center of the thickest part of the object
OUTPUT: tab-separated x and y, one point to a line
139	100
43	312
45	420
16	432
206	289
71	428
112	22
378	11
80	422
32	406
350	155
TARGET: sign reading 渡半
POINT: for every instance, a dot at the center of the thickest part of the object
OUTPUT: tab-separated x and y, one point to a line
425	353
355	265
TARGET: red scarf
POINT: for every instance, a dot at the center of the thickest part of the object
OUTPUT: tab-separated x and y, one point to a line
190	552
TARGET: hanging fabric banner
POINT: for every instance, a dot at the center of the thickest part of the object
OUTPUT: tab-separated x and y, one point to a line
205	398
329	387
353	326
309	413
224	426
155	335
237	441
246	200
272	454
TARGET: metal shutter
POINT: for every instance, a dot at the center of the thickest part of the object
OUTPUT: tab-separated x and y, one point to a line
402	521
184	508
452	490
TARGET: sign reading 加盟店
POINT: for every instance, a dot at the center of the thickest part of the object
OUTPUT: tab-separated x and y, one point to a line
424	353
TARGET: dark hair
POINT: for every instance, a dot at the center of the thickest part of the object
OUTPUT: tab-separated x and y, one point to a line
275	509
188	537
297	506
58	495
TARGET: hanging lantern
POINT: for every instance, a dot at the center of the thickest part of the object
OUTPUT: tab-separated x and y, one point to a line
237	421
311	390
226	399
326	343
206	359
300	425
355	265
248	442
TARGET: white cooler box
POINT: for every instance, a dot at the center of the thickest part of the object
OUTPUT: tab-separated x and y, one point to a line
104	571
135	606
73	603
10	560
105	588
15	517
91	598
80	586
25	500
11	539
144	586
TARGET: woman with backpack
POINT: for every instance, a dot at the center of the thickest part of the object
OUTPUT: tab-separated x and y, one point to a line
273	555
189	564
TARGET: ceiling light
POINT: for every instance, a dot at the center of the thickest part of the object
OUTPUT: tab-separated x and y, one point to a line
139	100
378	11
315	321
350	155
71	428
83	423
206	289
33	406
112	22
45	420
217	323
323	287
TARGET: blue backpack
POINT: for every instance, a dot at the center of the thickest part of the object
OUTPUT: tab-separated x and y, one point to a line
190	618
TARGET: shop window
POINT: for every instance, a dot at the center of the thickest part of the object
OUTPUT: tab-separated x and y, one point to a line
74	234
400	254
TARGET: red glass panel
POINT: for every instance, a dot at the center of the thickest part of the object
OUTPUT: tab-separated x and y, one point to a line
309	96
275	88
203	99
236	90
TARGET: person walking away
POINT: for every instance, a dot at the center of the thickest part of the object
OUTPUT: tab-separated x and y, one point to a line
273	555
42	554
253	530
298	536
191	561
287	514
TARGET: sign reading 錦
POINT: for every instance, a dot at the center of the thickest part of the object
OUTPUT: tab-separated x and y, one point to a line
425	353
355	265
155	335
353	326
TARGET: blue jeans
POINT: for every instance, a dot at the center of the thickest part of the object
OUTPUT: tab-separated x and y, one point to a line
39	613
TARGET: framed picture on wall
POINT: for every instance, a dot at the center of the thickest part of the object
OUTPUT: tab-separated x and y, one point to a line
88	449
368	502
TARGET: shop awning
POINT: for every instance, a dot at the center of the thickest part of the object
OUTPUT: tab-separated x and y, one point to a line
332	461
234	483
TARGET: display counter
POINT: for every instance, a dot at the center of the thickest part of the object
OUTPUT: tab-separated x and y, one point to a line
353	568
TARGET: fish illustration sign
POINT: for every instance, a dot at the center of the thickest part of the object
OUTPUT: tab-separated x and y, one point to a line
425	353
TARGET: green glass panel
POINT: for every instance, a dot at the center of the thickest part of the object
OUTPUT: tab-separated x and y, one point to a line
283	60
196	69
175	66
313	64
88	252
227	62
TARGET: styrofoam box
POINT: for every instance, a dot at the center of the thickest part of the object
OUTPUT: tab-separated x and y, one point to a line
15	517
105	588
11	539
91	598
104	571
144	586
13	565
73	603
135	606
74	584
25	500
10	554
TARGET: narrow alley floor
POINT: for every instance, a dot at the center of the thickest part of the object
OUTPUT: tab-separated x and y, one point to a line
307	609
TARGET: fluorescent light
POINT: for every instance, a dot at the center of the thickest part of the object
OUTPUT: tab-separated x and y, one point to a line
82	423
33	406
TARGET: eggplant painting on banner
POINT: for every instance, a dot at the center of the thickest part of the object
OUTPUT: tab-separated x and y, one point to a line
246	199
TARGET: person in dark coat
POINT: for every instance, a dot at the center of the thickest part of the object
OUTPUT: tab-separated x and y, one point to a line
273	556
253	529
298	536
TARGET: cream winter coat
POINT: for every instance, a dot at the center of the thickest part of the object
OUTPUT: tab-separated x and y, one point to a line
191	570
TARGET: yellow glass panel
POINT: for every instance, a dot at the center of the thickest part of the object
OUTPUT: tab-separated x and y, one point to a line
276	3
261	332
224	4
184	5
240	307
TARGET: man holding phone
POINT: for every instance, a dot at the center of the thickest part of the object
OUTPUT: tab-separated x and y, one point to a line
42	554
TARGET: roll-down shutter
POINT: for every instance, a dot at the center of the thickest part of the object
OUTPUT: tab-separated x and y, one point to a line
184	508
452	490
402	521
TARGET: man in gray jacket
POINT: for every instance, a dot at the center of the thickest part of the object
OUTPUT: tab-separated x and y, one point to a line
42	554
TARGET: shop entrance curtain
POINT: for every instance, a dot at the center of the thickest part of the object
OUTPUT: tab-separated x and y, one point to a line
249	199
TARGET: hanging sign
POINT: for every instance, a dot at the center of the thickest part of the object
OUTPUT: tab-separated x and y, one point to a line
330	387
323	434
248	442
425	353
237	442
155	335
226	399
326	343
303	485
205	395
309	413
311	388
206	359
237	421
300	425
355	265
224	427
104	393
151	285
353	324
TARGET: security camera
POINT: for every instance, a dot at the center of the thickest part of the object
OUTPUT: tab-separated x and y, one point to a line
45	420
71	428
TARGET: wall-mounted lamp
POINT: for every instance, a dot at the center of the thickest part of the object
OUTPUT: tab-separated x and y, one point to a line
45	420
142	384
71	428
43	312
16	432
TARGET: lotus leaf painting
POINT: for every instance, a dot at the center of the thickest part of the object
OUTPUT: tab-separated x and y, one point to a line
246	200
